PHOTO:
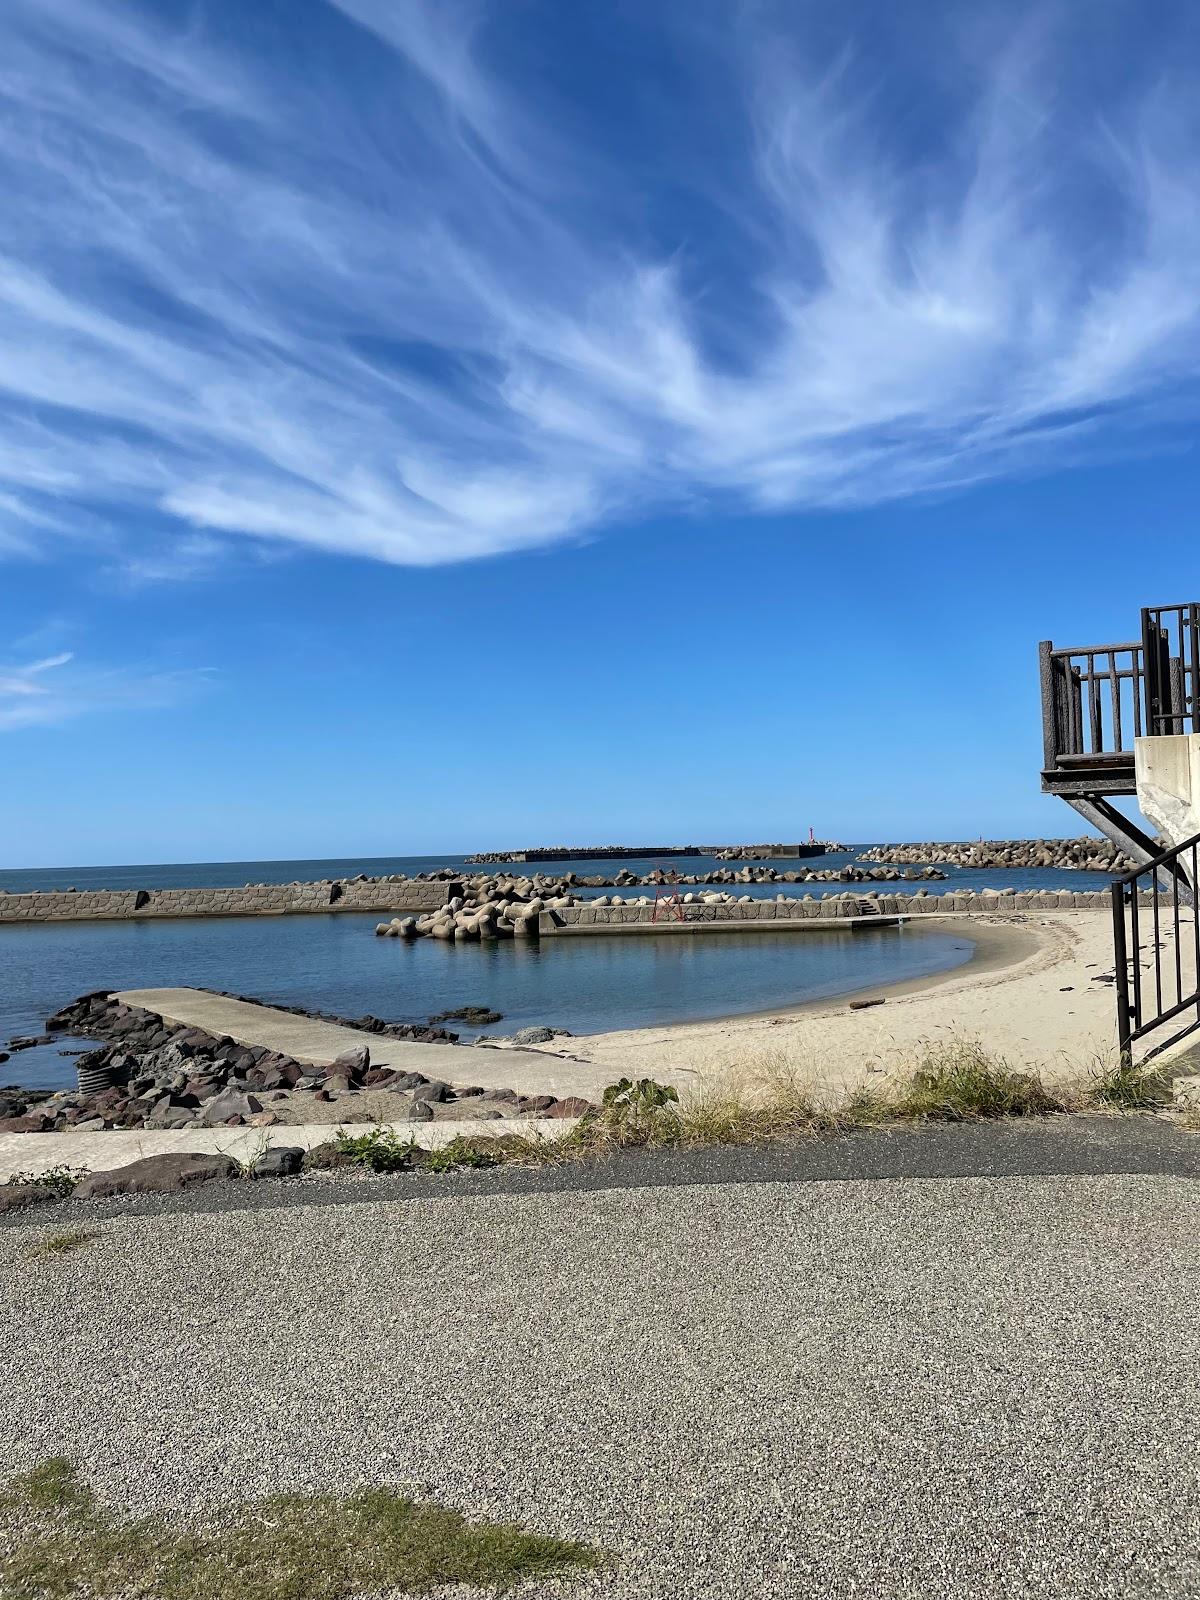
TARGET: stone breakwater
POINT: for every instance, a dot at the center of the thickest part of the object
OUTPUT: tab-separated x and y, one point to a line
501	915
716	908
510	908
1086	854
156	1074
252	899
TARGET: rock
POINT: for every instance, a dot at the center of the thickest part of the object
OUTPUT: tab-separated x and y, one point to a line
217	1112
420	1111
173	1117
572	1106
282	1161
262	1119
157	1175
432	1091
351	1063
35	1122
533	1036
17	1196
535	1104
324	1157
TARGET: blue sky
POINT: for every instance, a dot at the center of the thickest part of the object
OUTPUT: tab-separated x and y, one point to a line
428	425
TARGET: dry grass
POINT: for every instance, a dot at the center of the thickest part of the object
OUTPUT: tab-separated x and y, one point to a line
62	1244
777	1101
1125	1085
57	1542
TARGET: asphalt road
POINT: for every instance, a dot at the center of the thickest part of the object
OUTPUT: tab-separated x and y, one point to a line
764	1374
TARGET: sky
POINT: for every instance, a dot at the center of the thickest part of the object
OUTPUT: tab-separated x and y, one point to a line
434	425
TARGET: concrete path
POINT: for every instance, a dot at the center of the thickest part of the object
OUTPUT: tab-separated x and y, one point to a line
36	1153
941	1388
309	1039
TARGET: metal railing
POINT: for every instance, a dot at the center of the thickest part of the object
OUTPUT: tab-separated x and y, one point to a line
1158	926
1171	652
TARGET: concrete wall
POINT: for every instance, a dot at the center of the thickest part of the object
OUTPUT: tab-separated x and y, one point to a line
1168	783
257	899
831	907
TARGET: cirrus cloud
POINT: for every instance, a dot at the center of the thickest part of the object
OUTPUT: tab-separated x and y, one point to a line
365	287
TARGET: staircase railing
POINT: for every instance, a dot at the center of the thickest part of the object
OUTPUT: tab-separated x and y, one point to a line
1171	651
1156	943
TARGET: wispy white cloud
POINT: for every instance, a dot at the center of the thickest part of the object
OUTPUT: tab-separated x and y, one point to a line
373	296
57	689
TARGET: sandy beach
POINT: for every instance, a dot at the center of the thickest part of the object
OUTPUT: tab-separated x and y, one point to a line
1033	993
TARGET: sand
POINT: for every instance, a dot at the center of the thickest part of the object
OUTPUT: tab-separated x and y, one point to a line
1033	993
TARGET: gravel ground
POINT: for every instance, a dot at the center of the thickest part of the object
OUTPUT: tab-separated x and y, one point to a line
946	1386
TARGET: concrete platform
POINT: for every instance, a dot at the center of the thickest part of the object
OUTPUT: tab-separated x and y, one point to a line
309	1039
36	1153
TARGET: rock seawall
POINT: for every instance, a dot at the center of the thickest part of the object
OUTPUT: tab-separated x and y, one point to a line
1085	853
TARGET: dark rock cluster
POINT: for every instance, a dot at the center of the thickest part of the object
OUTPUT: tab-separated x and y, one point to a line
155	1074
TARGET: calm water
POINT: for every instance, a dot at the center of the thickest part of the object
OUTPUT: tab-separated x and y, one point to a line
232	874
337	963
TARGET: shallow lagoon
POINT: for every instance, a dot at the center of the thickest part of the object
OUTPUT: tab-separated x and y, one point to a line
336	963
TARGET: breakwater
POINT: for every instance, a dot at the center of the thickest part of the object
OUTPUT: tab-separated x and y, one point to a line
599	852
252	899
646	852
1084	854
745	912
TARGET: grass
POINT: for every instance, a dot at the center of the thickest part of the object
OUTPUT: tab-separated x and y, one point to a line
954	1082
60	1543
961	1082
1128	1086
62	1244
58	1182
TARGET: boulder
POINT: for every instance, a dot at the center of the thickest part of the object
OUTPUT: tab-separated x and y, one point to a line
535	1104
33	1123
18	1196
533	1036
573	1106
351	1063
420	1111
434	1091
324	1157
284	1161
157	1175
218	1111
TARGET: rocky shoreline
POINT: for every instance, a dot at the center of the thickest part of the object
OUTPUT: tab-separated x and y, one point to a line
1083	854
154	1074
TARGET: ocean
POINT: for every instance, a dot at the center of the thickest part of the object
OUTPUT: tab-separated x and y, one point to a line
336	963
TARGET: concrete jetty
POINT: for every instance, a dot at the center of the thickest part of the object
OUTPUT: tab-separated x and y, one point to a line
529	1071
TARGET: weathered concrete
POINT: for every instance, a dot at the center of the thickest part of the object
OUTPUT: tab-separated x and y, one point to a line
791	913
35	1153
309	1039
248	900
1167	768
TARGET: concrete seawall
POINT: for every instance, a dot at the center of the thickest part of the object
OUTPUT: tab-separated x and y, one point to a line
827	909
251	900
